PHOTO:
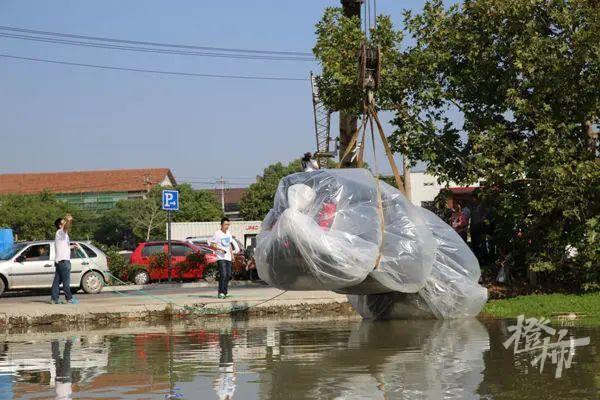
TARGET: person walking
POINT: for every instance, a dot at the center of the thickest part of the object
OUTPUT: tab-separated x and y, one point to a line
222	241
62	260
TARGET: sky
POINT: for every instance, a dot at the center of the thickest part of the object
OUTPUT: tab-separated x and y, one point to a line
68	118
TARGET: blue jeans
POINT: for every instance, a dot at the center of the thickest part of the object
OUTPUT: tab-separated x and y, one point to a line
62	274
224	275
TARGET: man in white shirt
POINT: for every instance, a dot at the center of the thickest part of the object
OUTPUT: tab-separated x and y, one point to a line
62	260
222	242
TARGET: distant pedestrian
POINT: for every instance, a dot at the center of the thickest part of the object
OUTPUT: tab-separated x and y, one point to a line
62	260
222	241
460	223
308	163
479	223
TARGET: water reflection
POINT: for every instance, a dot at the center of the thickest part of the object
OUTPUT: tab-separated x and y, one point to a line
225	381
388	360
62	364
336	359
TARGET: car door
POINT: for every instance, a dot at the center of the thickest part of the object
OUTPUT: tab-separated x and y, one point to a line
179	253
79	264
148	252
32	267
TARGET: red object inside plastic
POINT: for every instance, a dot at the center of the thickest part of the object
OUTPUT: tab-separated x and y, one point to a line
327	215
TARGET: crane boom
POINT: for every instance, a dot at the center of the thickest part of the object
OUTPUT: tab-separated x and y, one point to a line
322	124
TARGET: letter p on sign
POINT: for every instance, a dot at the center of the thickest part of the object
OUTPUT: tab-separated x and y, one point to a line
170	200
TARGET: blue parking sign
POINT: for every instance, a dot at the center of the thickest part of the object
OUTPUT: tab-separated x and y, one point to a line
170	200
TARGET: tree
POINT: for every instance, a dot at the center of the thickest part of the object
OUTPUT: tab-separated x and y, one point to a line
522	75
31	217
338	43
197	205
136	220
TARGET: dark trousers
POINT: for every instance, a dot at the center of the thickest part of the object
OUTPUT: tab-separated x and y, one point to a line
62	274
478	244
63	364
224	275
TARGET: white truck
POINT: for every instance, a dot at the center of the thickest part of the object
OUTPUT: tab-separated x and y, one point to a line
244	231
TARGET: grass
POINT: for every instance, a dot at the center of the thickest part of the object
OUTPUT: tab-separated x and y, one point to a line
554	306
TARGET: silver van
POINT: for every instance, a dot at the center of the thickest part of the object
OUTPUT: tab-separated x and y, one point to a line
30	265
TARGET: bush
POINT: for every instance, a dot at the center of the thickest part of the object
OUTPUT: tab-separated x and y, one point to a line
119	267
160	260
210	272
192	261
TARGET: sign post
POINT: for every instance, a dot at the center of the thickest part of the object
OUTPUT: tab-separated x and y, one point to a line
170	202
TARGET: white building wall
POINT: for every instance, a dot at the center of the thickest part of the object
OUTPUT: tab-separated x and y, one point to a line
424	187
182	230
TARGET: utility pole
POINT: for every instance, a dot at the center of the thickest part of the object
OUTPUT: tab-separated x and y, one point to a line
348	123
222	188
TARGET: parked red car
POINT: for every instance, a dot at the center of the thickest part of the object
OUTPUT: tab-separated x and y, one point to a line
180	250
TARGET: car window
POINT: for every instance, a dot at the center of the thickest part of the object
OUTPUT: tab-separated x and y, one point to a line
76	252
151	250
179	250
90	253
37	252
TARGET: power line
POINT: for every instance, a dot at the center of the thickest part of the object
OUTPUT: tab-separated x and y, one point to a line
146	43
154	71
154	50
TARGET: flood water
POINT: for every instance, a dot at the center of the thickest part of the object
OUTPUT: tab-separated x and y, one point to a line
293	359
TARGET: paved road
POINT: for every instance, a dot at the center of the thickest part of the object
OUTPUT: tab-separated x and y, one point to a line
26	296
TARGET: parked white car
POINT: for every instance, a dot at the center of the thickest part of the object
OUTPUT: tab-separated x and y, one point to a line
30	265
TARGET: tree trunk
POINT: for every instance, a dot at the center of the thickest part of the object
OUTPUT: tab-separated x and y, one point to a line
352	8
348	123
406	179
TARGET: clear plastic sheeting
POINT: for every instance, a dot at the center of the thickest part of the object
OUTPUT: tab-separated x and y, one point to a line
325	232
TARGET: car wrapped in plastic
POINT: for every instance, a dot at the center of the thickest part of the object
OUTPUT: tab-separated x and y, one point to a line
343	230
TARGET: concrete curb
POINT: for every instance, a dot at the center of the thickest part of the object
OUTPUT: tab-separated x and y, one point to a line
185	285
248	301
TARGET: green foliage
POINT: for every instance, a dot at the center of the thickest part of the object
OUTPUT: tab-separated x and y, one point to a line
523	75
138	220
119	267
338	43
586	306
192	261
32	217
159	261
131	221
210	272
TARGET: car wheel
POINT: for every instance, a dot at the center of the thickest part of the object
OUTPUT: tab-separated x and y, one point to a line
92	282
2	286
141	278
